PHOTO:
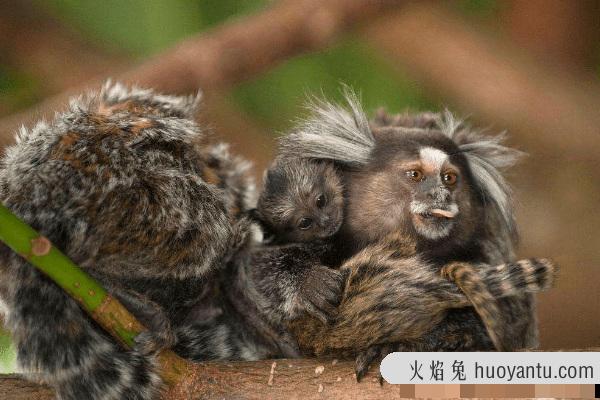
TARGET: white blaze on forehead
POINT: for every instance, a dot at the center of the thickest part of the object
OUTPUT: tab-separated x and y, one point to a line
433	158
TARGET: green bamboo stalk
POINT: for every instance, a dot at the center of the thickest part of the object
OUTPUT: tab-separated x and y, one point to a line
36	249
93	298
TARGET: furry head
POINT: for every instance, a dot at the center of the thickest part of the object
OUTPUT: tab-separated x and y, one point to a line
444	146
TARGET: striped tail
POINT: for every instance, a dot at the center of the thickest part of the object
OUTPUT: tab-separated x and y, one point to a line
529	275
483	286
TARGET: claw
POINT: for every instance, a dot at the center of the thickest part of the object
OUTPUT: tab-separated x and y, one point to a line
148	343
315	312
361	371
364	360
321	293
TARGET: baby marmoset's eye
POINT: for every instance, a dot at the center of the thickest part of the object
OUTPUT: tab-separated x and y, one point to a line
321	200
415	175
305	223
449	178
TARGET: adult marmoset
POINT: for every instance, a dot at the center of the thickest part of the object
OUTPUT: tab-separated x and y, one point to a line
297	190
439	183
125	184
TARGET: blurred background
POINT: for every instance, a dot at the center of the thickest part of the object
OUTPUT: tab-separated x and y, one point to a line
529	67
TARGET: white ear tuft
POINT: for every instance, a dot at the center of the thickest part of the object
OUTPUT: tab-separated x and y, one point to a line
332	132
488	157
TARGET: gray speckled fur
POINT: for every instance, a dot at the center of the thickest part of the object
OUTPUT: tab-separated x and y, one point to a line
119	182
124	184
332	132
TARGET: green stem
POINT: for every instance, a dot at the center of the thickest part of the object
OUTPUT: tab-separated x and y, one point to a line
23	239
102	307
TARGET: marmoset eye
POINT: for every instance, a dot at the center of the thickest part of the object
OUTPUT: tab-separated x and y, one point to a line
321	201
305	223
415	175
449	178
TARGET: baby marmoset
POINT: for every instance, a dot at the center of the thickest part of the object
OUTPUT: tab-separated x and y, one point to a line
302	200
406	185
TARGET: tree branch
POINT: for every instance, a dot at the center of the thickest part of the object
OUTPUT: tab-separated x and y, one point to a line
35	42
280	379
272	379
13	387
232	52
559	32
491	79
276	379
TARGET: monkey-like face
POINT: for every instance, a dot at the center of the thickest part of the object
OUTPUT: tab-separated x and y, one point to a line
431	180
418	183
302	200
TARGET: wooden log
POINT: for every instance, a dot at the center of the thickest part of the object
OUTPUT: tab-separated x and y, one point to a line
266	379
14	387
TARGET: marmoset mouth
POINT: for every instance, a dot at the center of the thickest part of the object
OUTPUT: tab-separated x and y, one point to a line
434	211
438	213
434	221
433	224
431	219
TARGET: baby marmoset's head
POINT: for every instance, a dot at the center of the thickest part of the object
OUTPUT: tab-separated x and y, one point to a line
302	200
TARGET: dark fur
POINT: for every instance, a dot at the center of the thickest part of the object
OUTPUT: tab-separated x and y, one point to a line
123	184
383	306
386	279
297	190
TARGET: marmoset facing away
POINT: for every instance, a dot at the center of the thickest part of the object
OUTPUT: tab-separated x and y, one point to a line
124	183
441	188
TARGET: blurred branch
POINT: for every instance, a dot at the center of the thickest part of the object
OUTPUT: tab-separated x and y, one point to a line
274	379
27	33
558	31
492	80
35	42
245	136
232	52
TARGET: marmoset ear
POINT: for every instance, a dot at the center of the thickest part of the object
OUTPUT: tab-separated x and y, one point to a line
488	157
332	132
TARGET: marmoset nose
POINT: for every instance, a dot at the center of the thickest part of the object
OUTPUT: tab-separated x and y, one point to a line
438	194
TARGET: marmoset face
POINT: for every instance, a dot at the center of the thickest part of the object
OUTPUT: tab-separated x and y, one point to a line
302	200
418	183
431	181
